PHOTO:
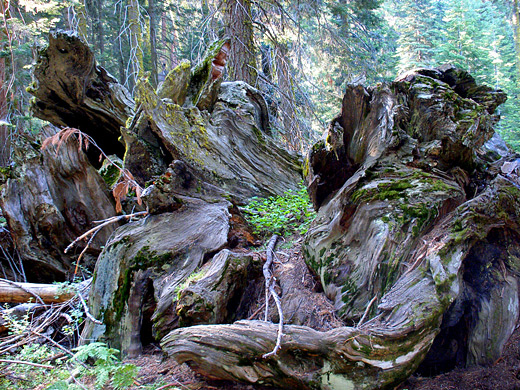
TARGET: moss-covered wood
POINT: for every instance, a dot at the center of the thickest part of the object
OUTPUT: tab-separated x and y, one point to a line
416	242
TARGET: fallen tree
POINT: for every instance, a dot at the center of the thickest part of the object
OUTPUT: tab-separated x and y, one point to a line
415	242
203	147
12	292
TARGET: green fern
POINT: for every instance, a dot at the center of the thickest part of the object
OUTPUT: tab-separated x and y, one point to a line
123	376
107	367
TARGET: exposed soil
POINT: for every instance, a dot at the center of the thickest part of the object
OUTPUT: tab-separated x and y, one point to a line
504	374
165	373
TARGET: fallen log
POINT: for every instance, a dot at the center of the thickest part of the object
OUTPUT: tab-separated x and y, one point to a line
13	292
415	242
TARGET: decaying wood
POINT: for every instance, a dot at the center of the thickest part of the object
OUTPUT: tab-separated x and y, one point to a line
410	217
12	292
71	90
158	249
416	238
218	290
31	322
207	146
51	197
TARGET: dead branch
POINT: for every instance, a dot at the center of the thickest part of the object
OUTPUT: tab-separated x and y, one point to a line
26	363
366	311
269	286
49	292
87	312
103	224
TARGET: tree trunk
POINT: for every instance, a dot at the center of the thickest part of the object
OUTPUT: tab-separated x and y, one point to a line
152	12
516	30
239	27
5	132
172	46
287	112
136	42
412	249
95	10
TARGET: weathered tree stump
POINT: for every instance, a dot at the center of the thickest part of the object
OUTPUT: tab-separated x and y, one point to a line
216	153
415	242
71	90
51	198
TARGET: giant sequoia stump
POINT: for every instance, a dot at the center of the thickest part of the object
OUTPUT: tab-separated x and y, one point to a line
202	147
416	242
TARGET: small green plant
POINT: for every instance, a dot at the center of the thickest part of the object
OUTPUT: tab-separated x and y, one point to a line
285	215
192	278
107	368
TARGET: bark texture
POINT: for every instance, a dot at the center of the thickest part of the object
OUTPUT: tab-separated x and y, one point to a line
202	147
415	242
71	90
50	198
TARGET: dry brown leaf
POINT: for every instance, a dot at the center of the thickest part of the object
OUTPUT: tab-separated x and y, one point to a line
138	191
60	137
119	192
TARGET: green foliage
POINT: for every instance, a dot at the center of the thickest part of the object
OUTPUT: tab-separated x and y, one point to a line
107	367
21	376
103	363
475	35
14	324
192	278
285	215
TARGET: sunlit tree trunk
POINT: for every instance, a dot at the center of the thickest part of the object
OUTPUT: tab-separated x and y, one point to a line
136	47
239	27
5	147
287	110
152	12
516	29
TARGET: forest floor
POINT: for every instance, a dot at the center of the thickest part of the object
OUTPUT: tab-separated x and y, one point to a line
164	373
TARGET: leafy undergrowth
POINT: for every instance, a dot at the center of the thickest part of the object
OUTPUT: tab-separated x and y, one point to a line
285	215
92	366
38	350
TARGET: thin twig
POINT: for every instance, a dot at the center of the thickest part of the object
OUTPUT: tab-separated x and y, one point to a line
59	346
256	312
26	363
102	225
87	312
366	311
83	251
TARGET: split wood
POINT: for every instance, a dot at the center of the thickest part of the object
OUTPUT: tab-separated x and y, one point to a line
269	290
